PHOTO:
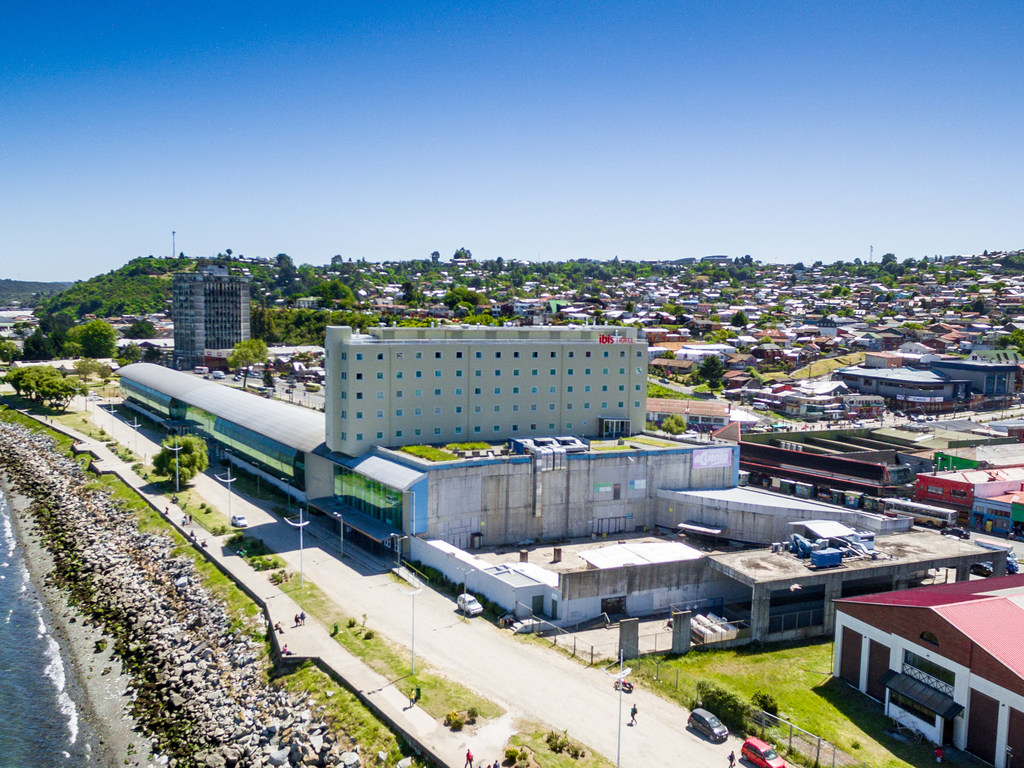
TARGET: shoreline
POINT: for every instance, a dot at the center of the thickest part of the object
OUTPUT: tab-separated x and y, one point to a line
95	680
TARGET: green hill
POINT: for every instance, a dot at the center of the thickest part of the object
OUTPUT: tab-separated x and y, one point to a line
141	286
26	293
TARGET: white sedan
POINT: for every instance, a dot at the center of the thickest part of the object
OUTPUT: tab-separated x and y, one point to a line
239	521
469	605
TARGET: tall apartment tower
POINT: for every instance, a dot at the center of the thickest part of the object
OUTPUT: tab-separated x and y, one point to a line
211	315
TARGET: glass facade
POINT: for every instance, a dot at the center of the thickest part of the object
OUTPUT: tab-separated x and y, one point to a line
371	497
152	400
269	455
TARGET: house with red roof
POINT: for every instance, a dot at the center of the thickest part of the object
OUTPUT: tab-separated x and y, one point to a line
945	661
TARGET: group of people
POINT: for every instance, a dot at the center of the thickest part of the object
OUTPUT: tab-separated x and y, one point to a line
300	619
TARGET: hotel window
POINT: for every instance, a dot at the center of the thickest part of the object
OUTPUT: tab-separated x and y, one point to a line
458	390
359	355
380	394
551	406
458	355
622	371
604	387
437	355
533	371
588	353
605	353
344	355
398	393
515	427
622	353
515	355
359	435
380	355
344	414
568	425
586	371
399	375
419	355
437	430
621	404
586	388
568	406
418	412
572	354
458	430
418	393
497	372
534	354
497	409
380	374
636	387
398	412
551	390
478	355
437	411
515	390
552	372
515	408
604	371
478	409
554	355
533	406
478	372
476	390
636	403
569	388
380	435
359	395
344	375
604	406
417	431
359	414
638	355
497	428
399	355
359	376
497	390
398	433
344	436
638	371
458	409
437	374
476	429
533	390
419	374
550	425
458	374
380	414
515	371
497	355
622	387
569	371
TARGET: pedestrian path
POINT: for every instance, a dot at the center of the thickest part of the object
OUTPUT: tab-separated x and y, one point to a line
309	640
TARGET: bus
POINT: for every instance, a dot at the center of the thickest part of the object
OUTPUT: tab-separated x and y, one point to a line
202	370
923	514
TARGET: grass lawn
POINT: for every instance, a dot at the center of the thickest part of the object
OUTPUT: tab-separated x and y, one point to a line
533	736
429	453
800	679
821	367
656	390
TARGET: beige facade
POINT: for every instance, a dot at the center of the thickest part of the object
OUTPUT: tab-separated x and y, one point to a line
412	386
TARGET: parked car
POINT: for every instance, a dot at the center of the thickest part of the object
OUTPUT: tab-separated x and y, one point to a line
239	521
469	605
960	533
704	722
982	569
218	374
761	754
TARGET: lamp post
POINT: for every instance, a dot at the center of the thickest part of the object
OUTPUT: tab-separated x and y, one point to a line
111	412
417	587
341	536
177	484
135	424
228	481
620	678
300	525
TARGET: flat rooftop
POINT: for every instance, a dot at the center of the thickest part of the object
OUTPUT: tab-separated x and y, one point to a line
914	547
582	554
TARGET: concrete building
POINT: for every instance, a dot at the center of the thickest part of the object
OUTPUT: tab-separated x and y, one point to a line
210	310
944	661
454	384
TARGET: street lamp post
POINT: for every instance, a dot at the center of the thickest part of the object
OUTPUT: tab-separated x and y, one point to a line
620	678
300	525
135	423
228	481
403	573
177	483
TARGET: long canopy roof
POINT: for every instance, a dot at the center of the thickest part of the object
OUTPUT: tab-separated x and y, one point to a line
291	425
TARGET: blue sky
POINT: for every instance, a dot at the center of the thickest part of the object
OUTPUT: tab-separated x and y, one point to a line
786	130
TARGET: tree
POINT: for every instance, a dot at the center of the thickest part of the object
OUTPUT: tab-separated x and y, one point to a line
185	463
96	338
8	351
268	378
247	353
711	370
674	424
130	354
140	329
739	320
87	367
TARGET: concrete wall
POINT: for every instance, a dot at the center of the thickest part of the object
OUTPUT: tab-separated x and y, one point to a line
319	476
508	500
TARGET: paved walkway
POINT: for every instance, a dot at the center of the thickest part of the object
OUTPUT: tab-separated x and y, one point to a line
532	682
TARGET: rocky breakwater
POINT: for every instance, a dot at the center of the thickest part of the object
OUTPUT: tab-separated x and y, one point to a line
198	684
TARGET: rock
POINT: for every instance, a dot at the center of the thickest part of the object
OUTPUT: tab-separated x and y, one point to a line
280	757
349	759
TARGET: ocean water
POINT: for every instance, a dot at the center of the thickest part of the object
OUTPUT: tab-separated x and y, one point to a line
41	721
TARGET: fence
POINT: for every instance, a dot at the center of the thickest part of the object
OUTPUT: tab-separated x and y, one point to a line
795	739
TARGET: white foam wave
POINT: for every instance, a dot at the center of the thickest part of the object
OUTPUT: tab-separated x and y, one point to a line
69	710
54	668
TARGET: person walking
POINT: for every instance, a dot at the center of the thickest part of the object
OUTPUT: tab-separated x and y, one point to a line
732	759
469	759
632	715
296	619
302	618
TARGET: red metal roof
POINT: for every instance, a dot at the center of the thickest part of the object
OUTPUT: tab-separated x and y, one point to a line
995	624
944	594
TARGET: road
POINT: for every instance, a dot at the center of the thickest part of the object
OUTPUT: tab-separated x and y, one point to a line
528	679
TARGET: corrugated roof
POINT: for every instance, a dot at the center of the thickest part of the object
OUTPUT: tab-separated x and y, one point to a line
996	624
388	472
291	425
944	594
643	553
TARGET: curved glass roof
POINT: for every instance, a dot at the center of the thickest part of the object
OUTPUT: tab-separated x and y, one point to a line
291	425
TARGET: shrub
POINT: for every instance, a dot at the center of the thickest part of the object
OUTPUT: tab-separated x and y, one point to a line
765	701
727	705
350	623
454	720
472	714
511	755
368	635
557	742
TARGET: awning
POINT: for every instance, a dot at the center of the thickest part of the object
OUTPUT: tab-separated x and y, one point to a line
921	693
704	530
369	526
